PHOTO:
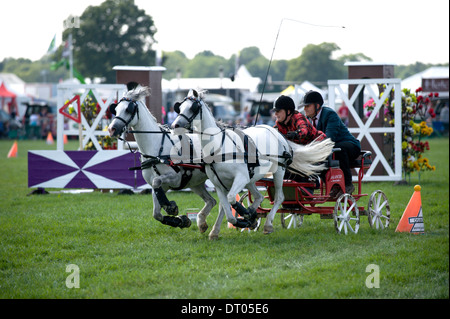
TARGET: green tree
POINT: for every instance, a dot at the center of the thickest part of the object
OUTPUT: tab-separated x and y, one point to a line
257	64
174	61
315	64
116	32
205	64
348	58
247	55
33	71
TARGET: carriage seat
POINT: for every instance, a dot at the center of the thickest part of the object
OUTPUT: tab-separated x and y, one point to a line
366	155
331	162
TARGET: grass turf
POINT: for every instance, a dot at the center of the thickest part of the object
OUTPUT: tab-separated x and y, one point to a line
122	252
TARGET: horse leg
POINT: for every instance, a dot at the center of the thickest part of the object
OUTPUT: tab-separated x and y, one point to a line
278	199
258	197
214	234
248	214
175	221
156	208
169	206
210	202
225	209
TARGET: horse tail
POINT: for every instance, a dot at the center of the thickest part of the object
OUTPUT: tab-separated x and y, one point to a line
306	158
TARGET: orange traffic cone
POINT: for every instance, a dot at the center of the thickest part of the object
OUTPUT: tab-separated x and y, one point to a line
230	225
49	138
65	139
13	150
412	219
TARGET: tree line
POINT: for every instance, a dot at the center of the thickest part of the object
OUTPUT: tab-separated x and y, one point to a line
117	32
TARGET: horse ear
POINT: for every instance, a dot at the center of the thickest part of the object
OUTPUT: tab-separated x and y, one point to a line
195	93
112	108
132	85
176	107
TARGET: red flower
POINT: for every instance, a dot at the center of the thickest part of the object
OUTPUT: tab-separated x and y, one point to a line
431	94
436	94
419	98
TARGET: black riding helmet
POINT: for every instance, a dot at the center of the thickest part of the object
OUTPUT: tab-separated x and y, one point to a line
313	97
284	103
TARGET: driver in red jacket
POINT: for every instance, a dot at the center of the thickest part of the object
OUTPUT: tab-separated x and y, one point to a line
294	125
296	128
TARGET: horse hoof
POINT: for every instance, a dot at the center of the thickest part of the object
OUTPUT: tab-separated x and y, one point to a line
252	213
172	209
268	230
254	224
202	227
213	236
185	221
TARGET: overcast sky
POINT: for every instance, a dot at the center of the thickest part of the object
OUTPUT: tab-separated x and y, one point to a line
390	31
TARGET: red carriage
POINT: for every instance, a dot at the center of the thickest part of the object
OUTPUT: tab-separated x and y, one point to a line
346	213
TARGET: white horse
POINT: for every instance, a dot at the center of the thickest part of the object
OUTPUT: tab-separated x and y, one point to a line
155	145
232	165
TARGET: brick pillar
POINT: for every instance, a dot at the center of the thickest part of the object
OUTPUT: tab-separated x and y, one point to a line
150	76
370	70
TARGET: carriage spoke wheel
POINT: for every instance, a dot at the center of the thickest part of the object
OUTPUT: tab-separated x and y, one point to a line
346	215
379	212
258	219
291	220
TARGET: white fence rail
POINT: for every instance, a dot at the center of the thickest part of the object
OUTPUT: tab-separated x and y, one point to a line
337	91
105	94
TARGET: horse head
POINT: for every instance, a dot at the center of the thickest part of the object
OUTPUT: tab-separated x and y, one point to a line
188	110
126	111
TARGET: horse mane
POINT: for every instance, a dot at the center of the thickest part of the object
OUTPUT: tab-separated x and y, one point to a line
200	94
223	126
138	92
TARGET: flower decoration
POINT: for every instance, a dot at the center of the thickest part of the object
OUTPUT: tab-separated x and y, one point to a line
414	106
90	109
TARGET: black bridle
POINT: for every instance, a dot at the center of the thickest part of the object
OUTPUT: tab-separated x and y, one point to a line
196	108
132	108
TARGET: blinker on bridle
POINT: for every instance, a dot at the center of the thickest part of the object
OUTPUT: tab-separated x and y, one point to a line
196	108
132	108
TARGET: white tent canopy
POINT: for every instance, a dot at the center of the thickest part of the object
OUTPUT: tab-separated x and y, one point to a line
243	81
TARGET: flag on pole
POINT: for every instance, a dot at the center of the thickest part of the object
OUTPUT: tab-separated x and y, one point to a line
66	50
52	47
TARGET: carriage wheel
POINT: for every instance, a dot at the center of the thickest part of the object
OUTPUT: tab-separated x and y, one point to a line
379	212
291	220
346	214
258	220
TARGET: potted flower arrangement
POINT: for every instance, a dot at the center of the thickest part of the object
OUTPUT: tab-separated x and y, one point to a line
90	109
415	108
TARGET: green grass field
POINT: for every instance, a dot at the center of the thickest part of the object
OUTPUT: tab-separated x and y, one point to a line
122	252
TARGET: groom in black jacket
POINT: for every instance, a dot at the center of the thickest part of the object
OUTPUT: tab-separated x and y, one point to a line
328	121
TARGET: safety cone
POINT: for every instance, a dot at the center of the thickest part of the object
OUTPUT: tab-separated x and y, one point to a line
230	225
65	139
50	138
13	151
412	218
